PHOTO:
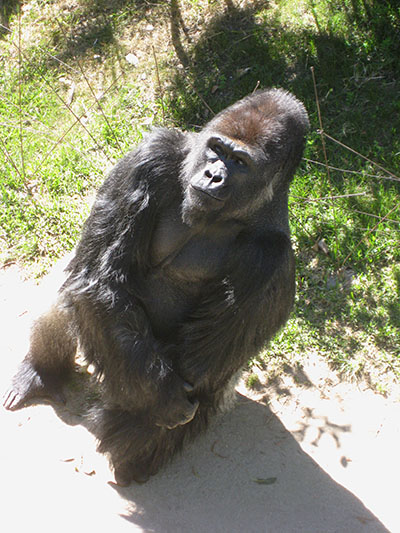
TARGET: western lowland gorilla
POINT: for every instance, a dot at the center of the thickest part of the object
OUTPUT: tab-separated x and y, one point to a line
183	273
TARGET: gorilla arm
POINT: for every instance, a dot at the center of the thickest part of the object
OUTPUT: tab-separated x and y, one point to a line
107	276
99	302
239	314
137	369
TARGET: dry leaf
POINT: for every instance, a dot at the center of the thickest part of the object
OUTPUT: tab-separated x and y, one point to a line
265	481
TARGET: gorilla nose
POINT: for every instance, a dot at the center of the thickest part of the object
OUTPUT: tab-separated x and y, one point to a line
213	181
216	179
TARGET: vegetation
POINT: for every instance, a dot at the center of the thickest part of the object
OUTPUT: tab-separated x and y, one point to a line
82	80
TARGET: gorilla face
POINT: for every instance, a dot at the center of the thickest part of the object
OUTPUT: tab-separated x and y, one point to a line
222	178
243	159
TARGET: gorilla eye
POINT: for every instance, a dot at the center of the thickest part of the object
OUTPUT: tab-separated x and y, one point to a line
218	150
239	161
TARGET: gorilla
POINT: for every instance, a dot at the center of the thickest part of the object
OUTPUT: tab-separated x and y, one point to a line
183	272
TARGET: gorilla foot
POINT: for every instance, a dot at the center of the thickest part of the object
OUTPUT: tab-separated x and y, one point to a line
28	385
127	472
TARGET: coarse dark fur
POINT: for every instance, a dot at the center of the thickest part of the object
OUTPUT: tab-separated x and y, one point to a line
184	271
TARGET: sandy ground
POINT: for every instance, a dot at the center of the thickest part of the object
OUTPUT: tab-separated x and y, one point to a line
309	454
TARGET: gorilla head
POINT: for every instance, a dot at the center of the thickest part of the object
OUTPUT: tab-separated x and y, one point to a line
243	155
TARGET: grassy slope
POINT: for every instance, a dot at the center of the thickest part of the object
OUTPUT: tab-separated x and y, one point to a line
71	104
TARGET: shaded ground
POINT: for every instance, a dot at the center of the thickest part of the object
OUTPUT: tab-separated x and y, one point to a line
304	454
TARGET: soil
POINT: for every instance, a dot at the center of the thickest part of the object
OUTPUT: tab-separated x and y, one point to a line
308	452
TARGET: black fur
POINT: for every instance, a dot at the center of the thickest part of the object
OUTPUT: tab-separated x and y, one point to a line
183	272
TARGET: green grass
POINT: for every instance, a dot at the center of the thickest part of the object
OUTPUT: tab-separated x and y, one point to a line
57	140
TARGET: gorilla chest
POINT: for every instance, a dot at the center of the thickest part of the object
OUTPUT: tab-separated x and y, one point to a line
181	253
183	262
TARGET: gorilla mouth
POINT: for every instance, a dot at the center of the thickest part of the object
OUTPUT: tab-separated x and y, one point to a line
220	196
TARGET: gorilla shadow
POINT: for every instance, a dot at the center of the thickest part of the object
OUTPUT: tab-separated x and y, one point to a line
225	480
218	484
246	473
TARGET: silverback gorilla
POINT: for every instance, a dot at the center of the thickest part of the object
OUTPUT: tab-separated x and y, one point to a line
183	272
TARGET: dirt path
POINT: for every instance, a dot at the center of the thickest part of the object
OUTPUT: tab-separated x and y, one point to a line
309	454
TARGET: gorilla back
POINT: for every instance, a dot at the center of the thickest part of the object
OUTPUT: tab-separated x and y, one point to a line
184	271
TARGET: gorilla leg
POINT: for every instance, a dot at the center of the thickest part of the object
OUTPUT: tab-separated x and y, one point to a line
136	446
49	361
129	439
